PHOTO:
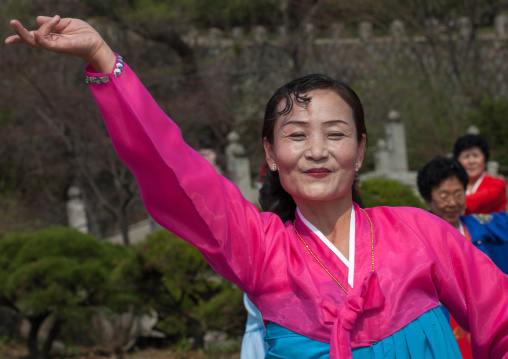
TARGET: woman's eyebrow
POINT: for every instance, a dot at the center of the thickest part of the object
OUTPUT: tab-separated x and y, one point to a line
305	123
335	122
292	122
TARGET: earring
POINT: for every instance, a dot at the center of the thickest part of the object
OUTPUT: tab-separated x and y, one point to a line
274	167
356	168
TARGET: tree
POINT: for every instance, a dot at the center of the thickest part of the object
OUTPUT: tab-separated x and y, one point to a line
62	274
189	297
53	137
436	72
57	141
490	117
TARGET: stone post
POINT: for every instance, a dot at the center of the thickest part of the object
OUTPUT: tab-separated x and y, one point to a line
337	31
214	37
397	30
493	168
465	28
365	30
191	38
382	158
237	35
501	26
259	35
238	166
76	211
209	154
396	139
310	37
473	130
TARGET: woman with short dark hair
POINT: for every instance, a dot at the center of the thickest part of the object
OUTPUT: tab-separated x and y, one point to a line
484	194
442	183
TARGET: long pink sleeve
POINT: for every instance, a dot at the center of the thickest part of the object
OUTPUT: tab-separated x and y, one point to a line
474	290
179	188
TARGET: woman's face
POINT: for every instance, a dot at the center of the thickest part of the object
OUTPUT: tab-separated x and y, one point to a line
448	200
316	149
473	162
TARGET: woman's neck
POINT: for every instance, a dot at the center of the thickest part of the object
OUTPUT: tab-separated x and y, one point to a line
473	180
330	218
456	224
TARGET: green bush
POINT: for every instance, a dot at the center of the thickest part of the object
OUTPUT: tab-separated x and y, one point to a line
189	297
62	273
386	192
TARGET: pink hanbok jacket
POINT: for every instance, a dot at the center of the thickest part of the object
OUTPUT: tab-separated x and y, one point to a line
419	259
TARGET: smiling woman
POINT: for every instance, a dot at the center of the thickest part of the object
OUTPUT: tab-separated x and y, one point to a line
340	122
329	278
442	183
484	194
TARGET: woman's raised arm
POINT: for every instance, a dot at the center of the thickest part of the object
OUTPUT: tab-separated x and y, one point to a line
66	36
179	188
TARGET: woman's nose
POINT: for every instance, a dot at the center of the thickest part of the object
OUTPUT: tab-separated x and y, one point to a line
317	148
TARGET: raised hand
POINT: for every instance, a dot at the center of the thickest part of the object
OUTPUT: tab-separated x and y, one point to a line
66	36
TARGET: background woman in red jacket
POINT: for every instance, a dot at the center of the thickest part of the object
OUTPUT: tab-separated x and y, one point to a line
484	194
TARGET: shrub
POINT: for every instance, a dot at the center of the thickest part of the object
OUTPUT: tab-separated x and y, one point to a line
386	192
64	274
189	297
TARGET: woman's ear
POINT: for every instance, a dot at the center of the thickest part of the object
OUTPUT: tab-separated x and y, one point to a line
269	153
361	151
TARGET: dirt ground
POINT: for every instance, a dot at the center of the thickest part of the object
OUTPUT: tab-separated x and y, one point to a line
18	351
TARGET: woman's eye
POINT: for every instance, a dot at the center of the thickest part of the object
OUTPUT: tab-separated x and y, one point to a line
336	134
297	135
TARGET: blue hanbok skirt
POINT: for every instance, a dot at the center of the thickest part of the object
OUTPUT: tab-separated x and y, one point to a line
428	336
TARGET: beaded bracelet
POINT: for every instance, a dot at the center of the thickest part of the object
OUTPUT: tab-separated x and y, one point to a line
105	79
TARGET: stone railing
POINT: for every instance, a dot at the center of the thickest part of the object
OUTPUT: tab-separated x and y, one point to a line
463	29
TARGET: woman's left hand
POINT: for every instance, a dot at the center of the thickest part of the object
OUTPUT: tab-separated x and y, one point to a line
66	36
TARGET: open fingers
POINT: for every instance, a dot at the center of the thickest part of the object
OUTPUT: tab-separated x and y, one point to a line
33	38
24	36
13	39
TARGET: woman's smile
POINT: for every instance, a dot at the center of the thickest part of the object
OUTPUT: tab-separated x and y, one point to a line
318	172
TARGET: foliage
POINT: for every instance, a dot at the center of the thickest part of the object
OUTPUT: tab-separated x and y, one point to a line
189	297
386	192
490	117
63	274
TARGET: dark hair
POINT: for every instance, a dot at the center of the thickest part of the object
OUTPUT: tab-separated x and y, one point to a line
272	195
469	141
436	171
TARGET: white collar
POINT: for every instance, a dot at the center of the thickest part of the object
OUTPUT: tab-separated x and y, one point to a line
349	263
461	228
476	184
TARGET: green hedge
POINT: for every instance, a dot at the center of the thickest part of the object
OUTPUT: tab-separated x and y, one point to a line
386	192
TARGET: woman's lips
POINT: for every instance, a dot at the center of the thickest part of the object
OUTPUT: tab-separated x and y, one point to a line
453	214
318	172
